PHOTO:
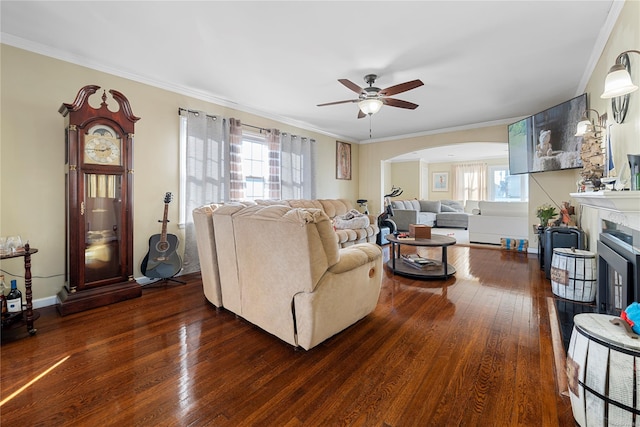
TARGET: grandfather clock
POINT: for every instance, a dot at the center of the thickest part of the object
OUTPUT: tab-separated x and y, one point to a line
99	197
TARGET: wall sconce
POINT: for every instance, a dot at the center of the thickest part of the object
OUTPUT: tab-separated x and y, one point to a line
370	105
585	125
618	81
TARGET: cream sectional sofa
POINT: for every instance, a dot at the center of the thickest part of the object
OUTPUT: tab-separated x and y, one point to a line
499	219
282	269
335	208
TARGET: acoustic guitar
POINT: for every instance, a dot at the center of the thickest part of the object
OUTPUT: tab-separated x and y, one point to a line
162	261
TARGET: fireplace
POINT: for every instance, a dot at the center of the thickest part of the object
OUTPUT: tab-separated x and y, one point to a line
618	268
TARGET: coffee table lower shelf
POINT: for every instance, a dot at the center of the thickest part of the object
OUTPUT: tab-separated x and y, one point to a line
433	273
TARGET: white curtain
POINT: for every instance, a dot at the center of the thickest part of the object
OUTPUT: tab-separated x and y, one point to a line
470	181
236	188
274	180
204	157
298	171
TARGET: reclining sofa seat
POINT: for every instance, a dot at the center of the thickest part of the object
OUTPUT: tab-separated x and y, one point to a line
281	269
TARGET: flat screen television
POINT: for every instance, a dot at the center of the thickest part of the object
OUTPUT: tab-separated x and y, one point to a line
546	141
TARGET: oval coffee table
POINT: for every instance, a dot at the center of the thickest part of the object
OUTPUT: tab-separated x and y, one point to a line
439	269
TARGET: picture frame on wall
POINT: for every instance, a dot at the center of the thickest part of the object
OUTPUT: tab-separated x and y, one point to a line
440	181
343	160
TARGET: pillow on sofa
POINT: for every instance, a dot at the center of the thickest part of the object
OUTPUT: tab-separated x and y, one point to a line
430	206
447	208
453	204
351	220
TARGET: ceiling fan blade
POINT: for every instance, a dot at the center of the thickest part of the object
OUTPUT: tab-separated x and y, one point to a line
361	114
338	102
399	103
351	85
402	87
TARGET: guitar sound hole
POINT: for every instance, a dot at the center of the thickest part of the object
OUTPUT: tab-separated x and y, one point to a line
162	246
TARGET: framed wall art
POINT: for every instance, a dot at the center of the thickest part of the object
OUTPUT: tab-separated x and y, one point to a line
440	181
343	160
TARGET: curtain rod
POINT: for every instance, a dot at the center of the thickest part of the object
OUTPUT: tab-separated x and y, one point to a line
215	118
180	109
256	127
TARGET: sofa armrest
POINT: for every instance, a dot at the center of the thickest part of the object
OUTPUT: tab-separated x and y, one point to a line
404	217
355	256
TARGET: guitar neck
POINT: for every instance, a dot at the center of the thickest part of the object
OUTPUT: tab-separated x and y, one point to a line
163	235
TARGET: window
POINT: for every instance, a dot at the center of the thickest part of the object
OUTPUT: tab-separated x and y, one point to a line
255	166
507	188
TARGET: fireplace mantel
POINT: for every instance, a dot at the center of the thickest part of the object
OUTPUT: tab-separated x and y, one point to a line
619	201
622	207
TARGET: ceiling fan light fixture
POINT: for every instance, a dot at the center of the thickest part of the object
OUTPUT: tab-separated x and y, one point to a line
370	106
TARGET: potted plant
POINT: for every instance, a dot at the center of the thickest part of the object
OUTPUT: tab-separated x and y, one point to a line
545	213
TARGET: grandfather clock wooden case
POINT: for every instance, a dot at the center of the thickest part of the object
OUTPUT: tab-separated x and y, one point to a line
99	197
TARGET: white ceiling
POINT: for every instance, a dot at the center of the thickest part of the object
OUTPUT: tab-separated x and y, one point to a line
480	61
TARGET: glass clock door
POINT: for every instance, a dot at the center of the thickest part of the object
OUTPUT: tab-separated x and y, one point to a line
102	225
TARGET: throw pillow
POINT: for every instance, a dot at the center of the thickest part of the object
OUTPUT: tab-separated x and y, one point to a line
447	208
430	206
453	204
351	220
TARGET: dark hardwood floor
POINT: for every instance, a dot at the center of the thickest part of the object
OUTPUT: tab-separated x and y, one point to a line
474	350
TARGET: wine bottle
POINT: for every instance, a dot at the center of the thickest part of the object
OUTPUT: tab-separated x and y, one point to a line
14	299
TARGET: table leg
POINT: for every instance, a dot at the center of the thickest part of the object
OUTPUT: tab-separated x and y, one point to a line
393	255
444	260
28	292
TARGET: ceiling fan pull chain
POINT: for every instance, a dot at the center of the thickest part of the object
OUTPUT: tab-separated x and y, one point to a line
370	126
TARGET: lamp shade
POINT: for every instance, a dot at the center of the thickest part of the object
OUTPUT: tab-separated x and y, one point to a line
583	127
618	82
370	106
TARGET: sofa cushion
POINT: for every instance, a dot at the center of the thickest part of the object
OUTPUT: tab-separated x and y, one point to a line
430	206
427	218
335	207
455	205
447	208
453	219
406	204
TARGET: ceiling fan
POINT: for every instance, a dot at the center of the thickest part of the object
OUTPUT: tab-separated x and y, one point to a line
370	99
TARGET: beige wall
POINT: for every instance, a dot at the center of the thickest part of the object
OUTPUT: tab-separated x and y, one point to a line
406	175
32	156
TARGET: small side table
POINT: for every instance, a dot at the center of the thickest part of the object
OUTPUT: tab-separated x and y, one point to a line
29	314
443	271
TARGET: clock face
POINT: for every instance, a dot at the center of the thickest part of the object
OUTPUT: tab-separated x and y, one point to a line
102	146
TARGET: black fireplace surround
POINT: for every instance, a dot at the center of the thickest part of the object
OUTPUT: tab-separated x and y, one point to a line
618	271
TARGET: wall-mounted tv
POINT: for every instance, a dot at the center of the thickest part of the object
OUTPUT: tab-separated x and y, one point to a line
546	141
